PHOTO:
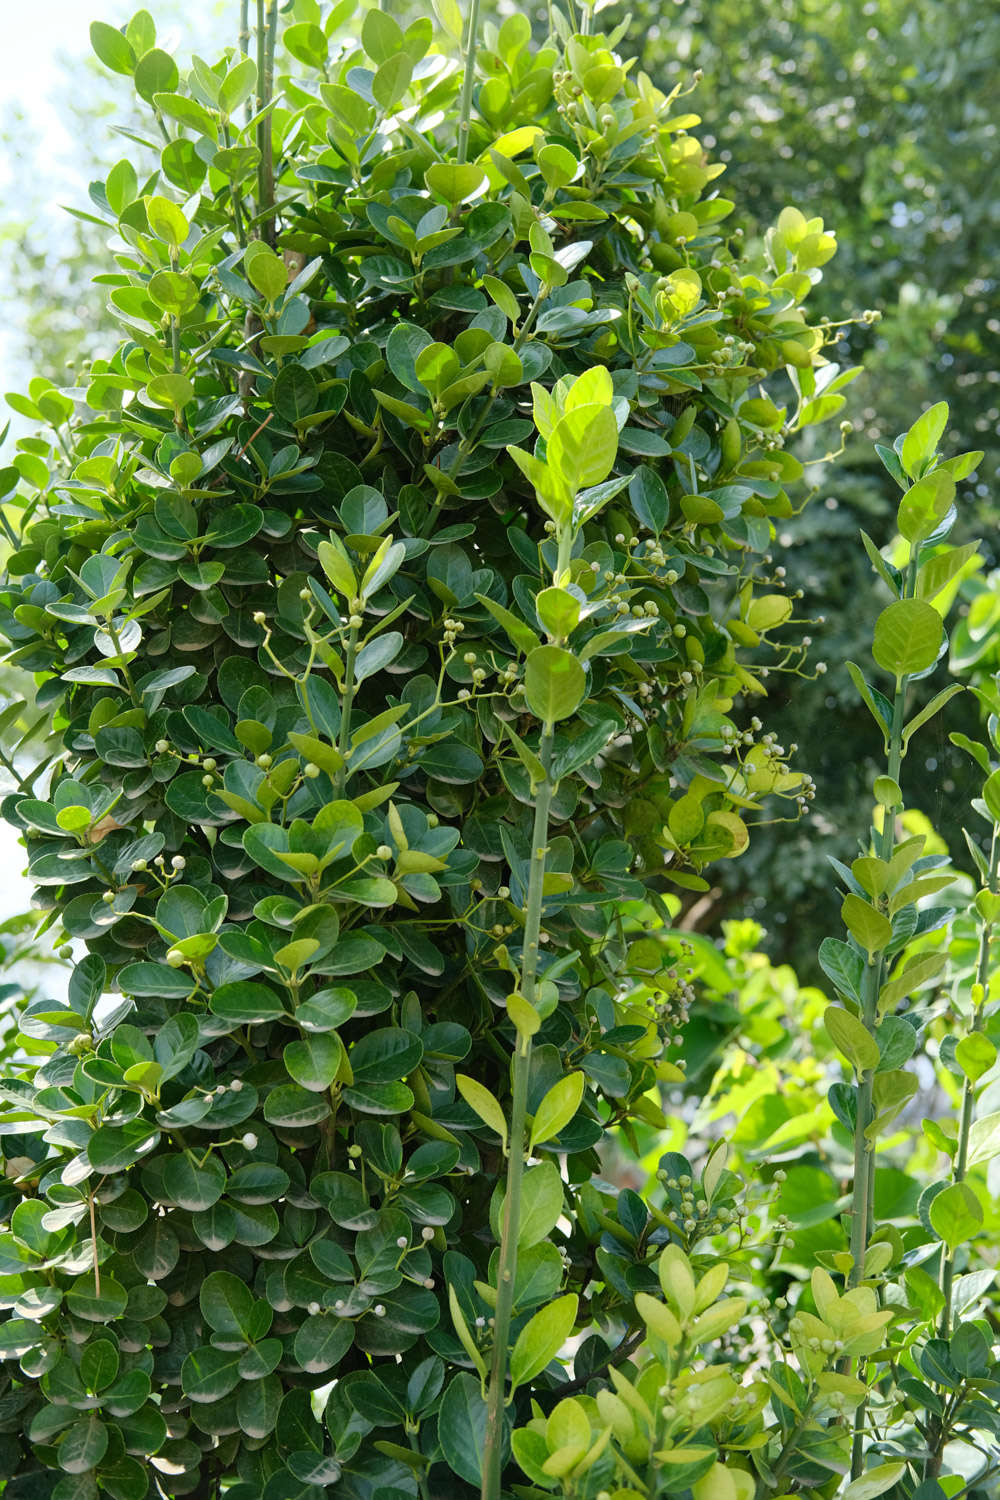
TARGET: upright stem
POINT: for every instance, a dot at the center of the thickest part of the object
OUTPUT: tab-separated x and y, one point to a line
468	80
344	739
863	1193
267	25
968	1092
493	1454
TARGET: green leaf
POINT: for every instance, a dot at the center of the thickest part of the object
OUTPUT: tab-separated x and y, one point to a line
392	80
322	1341
908	637
925	505
314	1062
557	1108
844	965
975	1055
984	1139
485	1104
937	572
266	271
991	795
381	36
242	1003
455	182
112	47
192	1185
294	392
921	442
558	611
83	1445
868	695
874	1482
870	928
541	1204
155	73
541	1339
238	84
555	683
226	1304
852	1038
167	222
583	446
649	498
208	1374
956	1214
934	706
521	635
464	1334
461	1428
336	564
307	43
84	1300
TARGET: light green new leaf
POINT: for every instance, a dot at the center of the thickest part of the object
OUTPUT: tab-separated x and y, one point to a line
541	1204
908	637
583	446
166	221
975	1055
925	505
485	1104
937	702
851	1037
555	683
541	1338
956	1214
557	1108
921	442
984	1139
456	182
464	1333
874	1482
871	929
337	566
559	611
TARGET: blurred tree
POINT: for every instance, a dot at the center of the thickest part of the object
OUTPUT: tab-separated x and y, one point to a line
880	116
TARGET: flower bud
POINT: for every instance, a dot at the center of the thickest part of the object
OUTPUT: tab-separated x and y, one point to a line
383	851
249	1141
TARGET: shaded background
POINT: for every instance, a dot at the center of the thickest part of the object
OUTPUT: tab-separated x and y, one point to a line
875	114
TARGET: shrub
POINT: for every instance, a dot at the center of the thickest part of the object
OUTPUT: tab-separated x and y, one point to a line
390	589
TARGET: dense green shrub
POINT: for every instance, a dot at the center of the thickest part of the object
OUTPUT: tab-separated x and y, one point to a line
391	589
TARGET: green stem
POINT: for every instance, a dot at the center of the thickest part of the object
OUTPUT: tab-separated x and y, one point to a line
786	1453
493	1453
863	1192
968	1091
129	683
468	80
344	738
267	22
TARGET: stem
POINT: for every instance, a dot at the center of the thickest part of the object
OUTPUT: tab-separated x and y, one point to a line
968	1091
344	738
267	24
468	79
492	1456
786	1452
863	1192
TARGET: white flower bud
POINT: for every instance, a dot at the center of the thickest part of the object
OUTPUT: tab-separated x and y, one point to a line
249	1141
